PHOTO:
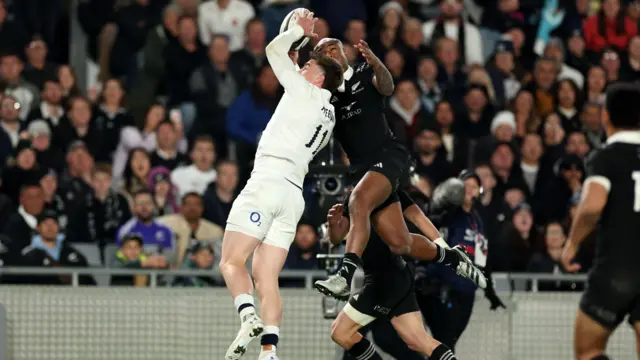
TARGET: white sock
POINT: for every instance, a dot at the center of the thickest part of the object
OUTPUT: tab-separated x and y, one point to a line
244	299
270	330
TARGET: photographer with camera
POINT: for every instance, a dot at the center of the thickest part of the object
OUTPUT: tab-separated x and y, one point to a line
446	300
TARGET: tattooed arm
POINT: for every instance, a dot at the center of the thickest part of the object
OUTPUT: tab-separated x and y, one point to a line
382	78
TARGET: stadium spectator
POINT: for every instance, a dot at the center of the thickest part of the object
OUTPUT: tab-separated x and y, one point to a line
22	225
541	85
393	60
220	194
228	17
518	242
157	238
131	256
609	27
250	57
68	80
197	176
533	173
215	85
405	113
78	125
248	117
183	55
412	47
577	144
135	174
188	226
38	69
25	93
591	125
167	153
177	9
610	61
302	255
568	103
48	248
501	71
105	209
452	25
201	256
630	68
527	118
21	168
555	50
53	200
596	85
10	123
566	183
50	108
431	156
111	116
165	194
431	94
474	119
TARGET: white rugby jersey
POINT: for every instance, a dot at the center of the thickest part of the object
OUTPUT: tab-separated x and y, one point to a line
303	121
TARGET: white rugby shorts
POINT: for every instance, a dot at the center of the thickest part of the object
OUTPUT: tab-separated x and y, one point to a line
268	209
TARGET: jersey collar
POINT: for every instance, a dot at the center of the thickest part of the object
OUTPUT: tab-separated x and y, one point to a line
628	137
347	76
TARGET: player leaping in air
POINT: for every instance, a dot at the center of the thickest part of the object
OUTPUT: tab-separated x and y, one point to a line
378	163
263	218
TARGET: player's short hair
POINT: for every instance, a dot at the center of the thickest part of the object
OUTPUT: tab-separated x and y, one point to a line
621	114
332	71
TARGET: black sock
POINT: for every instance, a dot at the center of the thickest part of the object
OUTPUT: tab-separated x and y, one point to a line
442	352
446	256
364	350
244	306
350	264
269	339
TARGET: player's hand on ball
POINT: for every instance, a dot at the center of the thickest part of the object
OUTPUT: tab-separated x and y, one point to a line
307	23
366	52
568	254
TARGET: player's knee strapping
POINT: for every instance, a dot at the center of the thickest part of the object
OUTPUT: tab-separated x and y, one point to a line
442	352
364	350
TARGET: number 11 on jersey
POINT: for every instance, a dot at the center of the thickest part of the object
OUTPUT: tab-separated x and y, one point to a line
315	136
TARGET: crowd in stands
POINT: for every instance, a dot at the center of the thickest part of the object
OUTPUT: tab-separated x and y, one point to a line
144	161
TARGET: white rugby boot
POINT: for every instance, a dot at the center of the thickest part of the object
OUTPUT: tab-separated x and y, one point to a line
251	327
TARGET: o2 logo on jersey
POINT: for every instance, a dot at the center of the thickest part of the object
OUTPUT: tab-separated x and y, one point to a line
255	218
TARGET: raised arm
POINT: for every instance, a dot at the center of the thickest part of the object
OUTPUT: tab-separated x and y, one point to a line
382	78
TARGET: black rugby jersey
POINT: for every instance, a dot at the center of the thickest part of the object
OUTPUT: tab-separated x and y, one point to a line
617	167
361	126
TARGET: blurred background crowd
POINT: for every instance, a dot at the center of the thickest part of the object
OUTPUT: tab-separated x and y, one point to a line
139	167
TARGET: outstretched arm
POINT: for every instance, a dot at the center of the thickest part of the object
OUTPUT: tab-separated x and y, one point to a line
382	78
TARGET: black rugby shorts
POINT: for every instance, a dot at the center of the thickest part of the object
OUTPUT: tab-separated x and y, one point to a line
611	296
393	161
387	296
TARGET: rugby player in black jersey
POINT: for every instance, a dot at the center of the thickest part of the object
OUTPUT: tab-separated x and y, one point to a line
611	202
378	162
388	292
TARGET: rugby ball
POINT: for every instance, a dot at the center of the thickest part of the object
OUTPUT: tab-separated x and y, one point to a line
290	21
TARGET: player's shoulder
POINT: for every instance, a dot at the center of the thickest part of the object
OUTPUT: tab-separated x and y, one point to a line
361	69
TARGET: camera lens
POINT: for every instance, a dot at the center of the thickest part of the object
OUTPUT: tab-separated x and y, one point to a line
331	184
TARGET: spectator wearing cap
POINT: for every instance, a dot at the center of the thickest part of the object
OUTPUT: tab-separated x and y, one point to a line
165	194
541	84
555	50
53	198
220	194
201	256
432	157
451	24
47	155
22	225
197	176
213	87
38	69
22	168
48	248
227	17
188	225
166	153
110	117
106	210
157	237
405	112
501	71
183	55
10	122
50	108
569	174
630	70
131	256
78	125
305	248
25	93
517	243
503	126
609	27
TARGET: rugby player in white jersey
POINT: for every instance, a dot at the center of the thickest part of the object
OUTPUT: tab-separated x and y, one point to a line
264	217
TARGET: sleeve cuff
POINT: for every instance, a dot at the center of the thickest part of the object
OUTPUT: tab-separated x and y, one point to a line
440	241
599	179
297	31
